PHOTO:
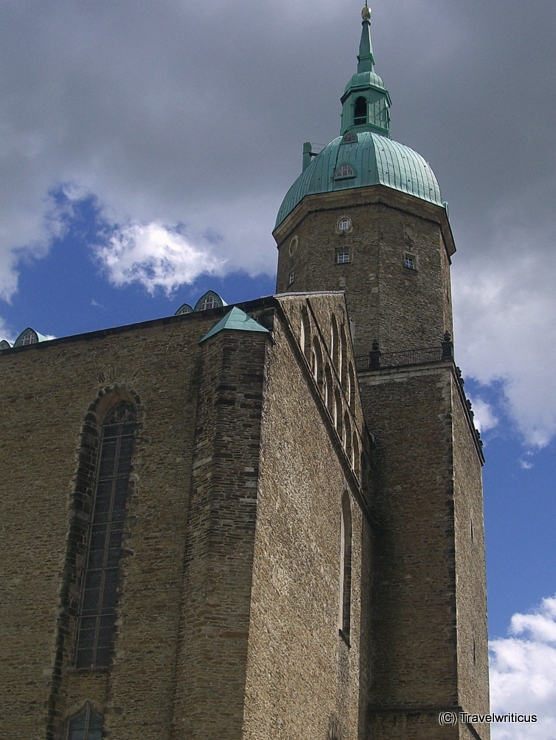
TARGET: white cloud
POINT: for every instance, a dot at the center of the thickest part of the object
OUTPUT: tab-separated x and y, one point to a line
146	114
6	333
156	257
505	313
485	418
523	675
540	625
525	461
164	120
26	234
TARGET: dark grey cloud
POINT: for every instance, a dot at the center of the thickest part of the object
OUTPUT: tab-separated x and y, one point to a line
194	113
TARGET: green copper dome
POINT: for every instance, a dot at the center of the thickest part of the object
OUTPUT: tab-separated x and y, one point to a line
369	160
364	155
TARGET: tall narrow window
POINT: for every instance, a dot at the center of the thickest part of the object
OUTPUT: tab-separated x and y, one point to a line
100	579
305	339
350	391
335	344
343	369
345	575
346	437
360	113
329	388
338	413
87	725
316	361
356	459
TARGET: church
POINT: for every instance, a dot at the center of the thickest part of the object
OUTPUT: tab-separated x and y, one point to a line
261	521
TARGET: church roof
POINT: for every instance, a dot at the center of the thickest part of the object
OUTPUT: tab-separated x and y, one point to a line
236	320
365	154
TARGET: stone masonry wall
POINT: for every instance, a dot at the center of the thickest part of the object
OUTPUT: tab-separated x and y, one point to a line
470	565
427	482
219	549
231	576
45	392
400	308
413	609
303	680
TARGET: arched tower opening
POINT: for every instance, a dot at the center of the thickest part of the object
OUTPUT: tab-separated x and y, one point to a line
360	111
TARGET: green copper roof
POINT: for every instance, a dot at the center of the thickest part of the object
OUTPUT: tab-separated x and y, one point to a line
369	159
364	155
366	102
237	320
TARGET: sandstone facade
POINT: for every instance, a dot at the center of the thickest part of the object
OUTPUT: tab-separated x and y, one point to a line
233	562
427	646
301	544
262	522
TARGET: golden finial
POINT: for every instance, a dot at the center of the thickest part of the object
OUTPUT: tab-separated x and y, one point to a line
366	13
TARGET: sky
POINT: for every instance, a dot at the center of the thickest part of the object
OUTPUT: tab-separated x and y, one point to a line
145	149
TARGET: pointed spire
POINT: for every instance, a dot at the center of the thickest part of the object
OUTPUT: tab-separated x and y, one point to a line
366	59
366	102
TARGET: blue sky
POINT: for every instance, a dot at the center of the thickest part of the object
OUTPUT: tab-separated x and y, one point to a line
68	291
144	157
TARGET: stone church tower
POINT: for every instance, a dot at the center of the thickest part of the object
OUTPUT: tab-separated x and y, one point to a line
366	217
261	521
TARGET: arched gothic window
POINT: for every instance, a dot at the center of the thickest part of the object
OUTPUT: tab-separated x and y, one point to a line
97	609
27	336
345	573
183	309
208	300
87	725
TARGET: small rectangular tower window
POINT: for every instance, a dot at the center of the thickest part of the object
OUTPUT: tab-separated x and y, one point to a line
342	256
410	261
291	277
